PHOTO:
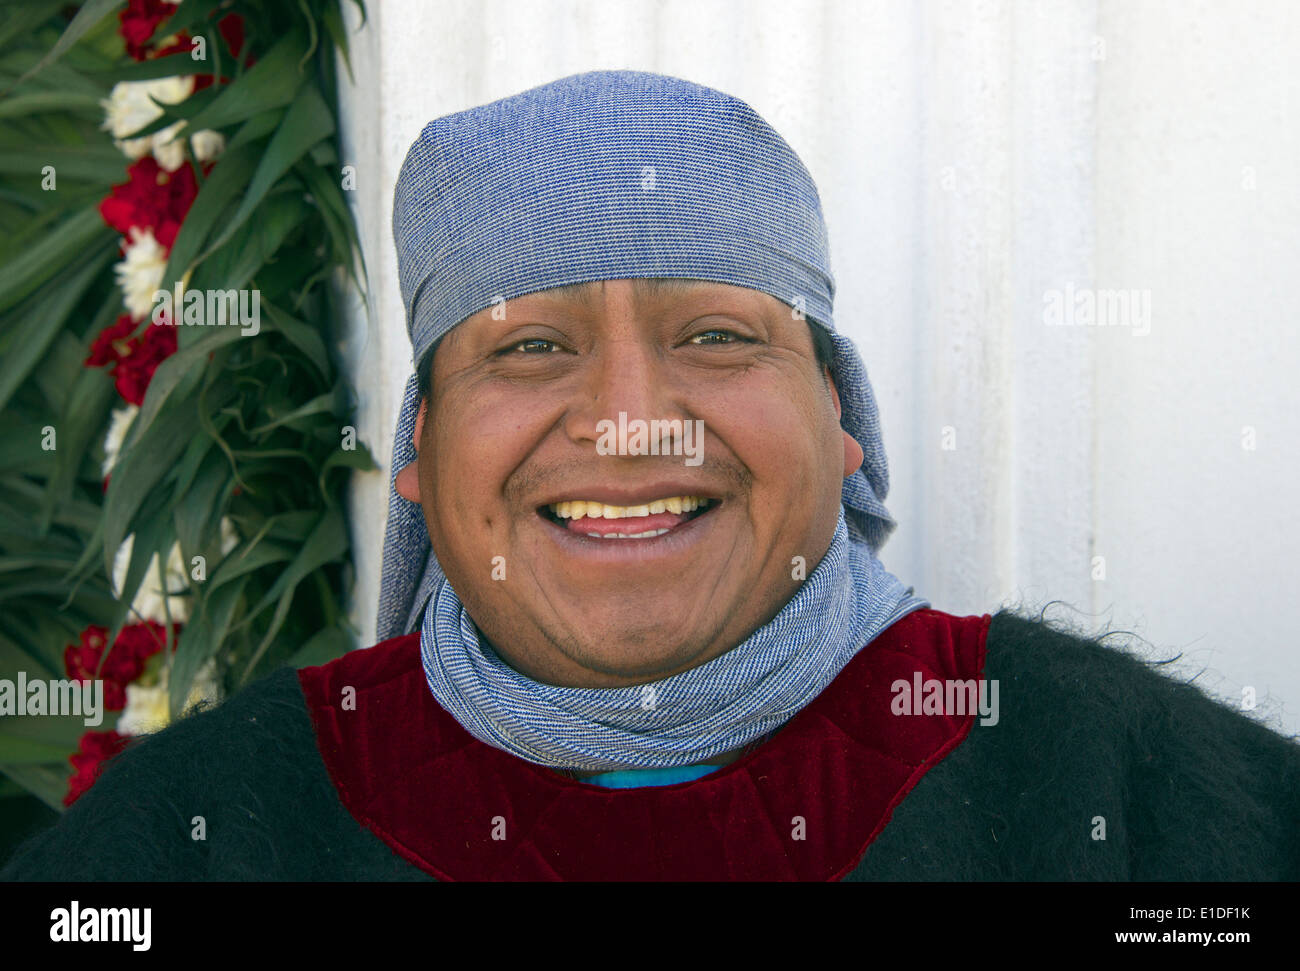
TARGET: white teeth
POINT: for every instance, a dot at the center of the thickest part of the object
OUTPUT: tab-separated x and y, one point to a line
578	508
647	535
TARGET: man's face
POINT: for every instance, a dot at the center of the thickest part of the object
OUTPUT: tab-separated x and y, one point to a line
512	431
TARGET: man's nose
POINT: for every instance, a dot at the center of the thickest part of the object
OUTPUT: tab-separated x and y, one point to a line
624	375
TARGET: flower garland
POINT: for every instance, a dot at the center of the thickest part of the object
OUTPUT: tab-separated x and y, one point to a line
207	543
148	210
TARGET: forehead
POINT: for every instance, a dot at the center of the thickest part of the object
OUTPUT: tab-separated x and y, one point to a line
590	293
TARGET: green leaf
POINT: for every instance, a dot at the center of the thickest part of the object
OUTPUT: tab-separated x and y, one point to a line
327	543
62	366
215	197
24	21
186	362
256	128
29	751
65	77
270	83
334	27
48	783
71	239
250	555
154	535
359	459
328	403
176	64
306	123
196	508
201	640
324	646
304	337
200	447
190	14
25	340
293	526
59	731
39	102
143	463
90	14
18	658
89	402
338	221
97	164
233	265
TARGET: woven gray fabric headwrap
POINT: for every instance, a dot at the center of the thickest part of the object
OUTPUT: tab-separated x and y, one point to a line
602	176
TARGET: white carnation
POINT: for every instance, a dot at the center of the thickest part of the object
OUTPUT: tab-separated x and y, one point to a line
205	688
229	538
140	273
147	708
129	108
207	144
118	426
168	149
150	598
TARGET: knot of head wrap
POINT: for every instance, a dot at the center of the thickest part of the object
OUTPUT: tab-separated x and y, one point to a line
606	175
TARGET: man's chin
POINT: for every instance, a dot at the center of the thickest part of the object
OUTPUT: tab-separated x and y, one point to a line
632	647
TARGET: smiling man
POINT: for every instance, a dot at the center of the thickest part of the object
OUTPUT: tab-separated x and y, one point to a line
628	666
621	570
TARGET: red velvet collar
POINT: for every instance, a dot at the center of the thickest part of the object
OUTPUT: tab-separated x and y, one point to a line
804	805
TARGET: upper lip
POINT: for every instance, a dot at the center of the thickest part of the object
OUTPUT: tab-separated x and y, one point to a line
612	495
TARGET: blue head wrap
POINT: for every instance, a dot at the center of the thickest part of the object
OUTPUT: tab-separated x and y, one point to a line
603	176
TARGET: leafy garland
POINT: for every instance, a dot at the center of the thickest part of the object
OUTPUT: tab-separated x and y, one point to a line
171	516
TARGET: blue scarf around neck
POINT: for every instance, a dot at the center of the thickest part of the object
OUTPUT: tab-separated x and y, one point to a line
685	719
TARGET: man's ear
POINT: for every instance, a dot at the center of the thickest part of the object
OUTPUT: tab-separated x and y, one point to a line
407	483
853	455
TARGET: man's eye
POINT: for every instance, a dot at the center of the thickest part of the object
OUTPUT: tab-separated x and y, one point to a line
715	337
533	345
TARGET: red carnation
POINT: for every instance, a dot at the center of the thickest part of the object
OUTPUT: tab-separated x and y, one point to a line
135	644
94	749
139	21
142	641
134	359
133	373
112	344
151	198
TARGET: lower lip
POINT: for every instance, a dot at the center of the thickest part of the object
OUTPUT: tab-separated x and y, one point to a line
676	540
